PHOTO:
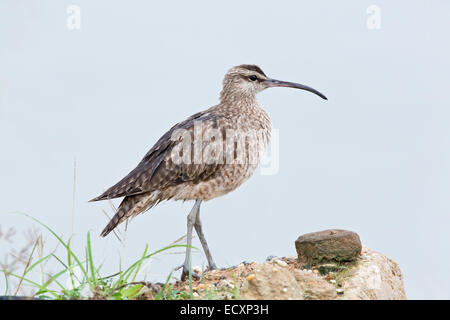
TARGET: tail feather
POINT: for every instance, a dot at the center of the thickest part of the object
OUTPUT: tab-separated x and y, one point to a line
129	207
108	194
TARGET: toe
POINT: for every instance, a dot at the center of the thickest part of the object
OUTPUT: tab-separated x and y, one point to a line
185	274
212	267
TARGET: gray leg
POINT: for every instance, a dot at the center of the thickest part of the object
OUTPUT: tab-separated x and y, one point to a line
201	236
192	217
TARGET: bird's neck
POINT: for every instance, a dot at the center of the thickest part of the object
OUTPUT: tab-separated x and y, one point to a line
238	99
245	109
240	107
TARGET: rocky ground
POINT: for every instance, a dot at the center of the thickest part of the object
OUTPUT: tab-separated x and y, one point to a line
372	276
330	264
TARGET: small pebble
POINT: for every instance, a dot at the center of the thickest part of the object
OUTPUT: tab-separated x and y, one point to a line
309	271
333	281
340	291
270	258
195	294
250	277
201	286
316	271
197	270
281	263
284	289
227	283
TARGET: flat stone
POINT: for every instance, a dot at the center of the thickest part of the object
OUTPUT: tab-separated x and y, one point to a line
332	245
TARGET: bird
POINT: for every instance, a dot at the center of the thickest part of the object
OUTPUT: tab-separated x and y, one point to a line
208	155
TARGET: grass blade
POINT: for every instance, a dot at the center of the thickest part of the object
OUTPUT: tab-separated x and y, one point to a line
91	261
25	269
138	267
66	245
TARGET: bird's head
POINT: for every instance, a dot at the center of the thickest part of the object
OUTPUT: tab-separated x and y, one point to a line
247	80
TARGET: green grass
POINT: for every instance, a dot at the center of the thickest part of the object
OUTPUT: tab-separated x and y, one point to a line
85	278
84	275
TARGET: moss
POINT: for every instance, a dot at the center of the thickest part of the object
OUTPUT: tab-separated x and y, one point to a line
328	268
345	272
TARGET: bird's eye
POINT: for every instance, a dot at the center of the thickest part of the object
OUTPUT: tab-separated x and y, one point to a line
253	78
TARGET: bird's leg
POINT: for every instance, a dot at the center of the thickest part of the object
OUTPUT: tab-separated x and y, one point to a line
192	217
201	236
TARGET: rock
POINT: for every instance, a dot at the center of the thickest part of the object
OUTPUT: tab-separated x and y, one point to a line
331	265
281	263
197	269
274	282
280	283
376	277
250	277
201	286
314	287
332	245
271	257
340	291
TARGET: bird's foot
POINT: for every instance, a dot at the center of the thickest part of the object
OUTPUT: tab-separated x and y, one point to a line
211	267
185	273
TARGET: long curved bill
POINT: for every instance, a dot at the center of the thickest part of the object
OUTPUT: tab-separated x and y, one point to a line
278	83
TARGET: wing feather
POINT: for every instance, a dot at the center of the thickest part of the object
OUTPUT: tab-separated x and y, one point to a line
157	171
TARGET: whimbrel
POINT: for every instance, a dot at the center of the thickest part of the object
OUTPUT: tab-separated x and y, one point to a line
208	155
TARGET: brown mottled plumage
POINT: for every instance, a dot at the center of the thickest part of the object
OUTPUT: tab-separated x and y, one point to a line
158	177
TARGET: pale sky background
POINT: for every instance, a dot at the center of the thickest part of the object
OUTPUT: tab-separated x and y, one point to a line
373	159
